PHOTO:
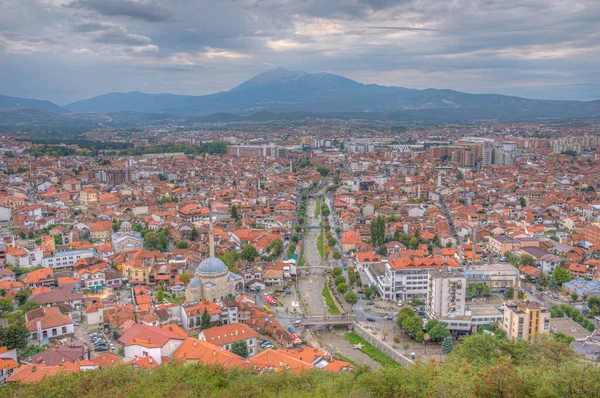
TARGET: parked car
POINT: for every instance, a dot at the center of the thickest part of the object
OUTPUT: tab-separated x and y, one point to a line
370	303
291	329
371	319
387	318
106	328
101	348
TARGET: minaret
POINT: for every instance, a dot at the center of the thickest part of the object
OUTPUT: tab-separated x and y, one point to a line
419	192
291	168
439	182
259	183
211	232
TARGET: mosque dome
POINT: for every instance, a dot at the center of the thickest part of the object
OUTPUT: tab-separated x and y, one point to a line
211	265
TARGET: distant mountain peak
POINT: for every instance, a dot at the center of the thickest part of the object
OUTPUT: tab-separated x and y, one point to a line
277	75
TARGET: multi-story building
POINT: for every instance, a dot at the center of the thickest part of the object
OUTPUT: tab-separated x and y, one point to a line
112	176
257	151
66	259
446	293
498	277
525	319
406	278
499	245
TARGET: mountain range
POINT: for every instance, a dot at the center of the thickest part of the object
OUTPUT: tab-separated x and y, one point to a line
282	94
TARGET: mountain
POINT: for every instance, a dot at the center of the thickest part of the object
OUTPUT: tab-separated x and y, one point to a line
286	91
7	102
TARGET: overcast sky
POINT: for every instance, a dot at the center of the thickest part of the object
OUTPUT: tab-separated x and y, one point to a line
66	50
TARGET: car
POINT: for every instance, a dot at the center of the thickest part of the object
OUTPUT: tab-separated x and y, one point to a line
291	329
370	303
264	341
101	348
387	318
400	303
371	319
95	335
100	342
269	346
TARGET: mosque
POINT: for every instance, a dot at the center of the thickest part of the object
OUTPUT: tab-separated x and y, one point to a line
212	280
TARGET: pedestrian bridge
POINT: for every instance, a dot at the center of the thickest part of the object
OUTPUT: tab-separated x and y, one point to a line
313	227
328	320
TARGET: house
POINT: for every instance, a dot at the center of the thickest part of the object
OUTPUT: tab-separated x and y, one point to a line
198	351
100	362
273	277
225	336
8	363
70	351
58	295
47	323
17	257
271	360
350	239
191	316
39	277
152	341
30	374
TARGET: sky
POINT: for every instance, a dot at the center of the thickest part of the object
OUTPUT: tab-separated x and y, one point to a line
67	50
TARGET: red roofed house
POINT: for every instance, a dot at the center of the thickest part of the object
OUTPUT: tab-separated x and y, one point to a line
350	239
224	336
47	323
151	341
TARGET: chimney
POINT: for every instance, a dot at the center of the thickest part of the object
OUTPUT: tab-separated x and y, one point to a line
33	368
150	360
236	332
214	353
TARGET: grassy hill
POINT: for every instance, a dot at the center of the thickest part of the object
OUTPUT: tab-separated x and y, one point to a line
483	366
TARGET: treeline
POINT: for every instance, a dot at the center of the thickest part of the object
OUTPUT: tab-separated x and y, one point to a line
482	366
216	147
81	143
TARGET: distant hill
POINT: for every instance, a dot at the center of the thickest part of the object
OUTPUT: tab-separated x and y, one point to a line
41	105
285	91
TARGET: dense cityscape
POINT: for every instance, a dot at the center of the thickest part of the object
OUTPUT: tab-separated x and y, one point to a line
295	248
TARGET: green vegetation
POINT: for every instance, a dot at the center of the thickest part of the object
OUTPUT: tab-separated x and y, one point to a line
331	307
249	253
561	275
370	351
216	147
346	359
482	366
560	311
240	348
477	290
320	244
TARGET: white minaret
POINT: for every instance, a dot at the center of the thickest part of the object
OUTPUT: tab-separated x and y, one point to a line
439	184
211	232
291	168
419	192
259	183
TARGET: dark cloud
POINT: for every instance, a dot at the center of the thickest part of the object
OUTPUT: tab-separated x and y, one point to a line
144	11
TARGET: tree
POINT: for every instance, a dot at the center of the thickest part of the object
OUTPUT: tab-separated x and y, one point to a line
184	277
240	348
234	212
6	306
336	254
447	345
412	326
403	314
324	171
275	247
339	279
249	253
335	272
205	320
369	291
526	259
342	288
193	234
29	306
14	336
382	250
22	296
561	275
523	202
437	330
378	231
182	244
351	298
160	294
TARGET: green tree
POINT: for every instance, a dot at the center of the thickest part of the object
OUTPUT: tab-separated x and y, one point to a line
351	298
526	259
160	293
29	306
6	306
275	247
240	348
335	272
193	234
339	279
249	253
447	345
182	244
184	277
336	254
523	202
205	320
369	292
234	212
561	275
342	288
22	296
412	326
14	336
403	314
378	231
437	330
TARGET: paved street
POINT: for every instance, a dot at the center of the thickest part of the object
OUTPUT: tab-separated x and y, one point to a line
311	286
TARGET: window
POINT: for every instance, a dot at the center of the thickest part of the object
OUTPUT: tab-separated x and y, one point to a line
54	332
144	353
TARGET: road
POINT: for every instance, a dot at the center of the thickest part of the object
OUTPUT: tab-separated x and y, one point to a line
311	285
